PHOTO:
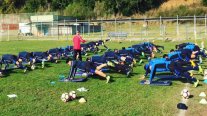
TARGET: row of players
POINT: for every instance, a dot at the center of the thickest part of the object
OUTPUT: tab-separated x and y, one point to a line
28	59
179	62
121	61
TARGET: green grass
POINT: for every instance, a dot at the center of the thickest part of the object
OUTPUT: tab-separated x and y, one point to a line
123	96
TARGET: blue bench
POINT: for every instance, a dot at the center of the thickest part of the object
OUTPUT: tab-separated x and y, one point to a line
118	34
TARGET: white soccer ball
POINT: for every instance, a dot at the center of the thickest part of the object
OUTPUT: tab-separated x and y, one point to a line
185	93
72	94
84	75
65	97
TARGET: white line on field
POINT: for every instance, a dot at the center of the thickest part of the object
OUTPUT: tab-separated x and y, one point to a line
185	101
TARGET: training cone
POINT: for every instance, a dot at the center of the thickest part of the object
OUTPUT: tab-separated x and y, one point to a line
203	101
202	94
82	100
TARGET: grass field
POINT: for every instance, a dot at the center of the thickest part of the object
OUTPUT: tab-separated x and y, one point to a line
123	96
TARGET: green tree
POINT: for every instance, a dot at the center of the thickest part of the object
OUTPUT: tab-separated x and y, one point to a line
204	2
32	5
78	10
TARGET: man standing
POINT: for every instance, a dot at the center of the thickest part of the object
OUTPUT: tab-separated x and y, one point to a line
77	39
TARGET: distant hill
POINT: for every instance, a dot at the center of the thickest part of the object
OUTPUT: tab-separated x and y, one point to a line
178	7
176	3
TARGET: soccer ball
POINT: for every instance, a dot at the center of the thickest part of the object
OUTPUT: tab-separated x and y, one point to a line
84	75
185	93
65	97
72	94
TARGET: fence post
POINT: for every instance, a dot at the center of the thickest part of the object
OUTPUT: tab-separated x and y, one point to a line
186	31
177	29
76	25
41	30
160	25
8	32
195	33
65	30
115	25
144	26
52	29
83	29
130	34
58	27
101	28
89	27
205	25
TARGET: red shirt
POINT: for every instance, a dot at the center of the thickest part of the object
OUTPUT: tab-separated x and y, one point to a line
77	39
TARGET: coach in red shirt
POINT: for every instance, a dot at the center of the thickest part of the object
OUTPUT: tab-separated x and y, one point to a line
77	40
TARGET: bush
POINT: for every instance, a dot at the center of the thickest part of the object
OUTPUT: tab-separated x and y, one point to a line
182	11
204	2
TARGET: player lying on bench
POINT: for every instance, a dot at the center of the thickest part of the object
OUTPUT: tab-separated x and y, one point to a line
86	66
177	68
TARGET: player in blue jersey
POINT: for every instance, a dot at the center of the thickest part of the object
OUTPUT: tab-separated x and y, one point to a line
86	66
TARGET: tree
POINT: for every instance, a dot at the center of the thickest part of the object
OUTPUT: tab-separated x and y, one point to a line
78	10
204	2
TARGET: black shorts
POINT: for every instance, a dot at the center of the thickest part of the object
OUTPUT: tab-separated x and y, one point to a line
90	67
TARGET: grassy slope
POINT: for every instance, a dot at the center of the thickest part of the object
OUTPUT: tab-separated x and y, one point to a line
174	4
124	96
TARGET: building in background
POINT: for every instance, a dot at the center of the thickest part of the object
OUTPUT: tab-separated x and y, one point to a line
44	25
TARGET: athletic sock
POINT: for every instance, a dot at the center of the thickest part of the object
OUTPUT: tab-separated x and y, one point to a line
107	79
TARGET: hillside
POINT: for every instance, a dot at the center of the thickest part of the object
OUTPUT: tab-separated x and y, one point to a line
176	3
178	7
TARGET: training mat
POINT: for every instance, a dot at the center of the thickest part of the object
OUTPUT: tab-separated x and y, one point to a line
158	83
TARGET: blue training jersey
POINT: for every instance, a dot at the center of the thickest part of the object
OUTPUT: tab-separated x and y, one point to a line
190	47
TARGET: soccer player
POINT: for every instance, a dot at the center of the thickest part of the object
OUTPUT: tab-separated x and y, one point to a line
178	68
88	67
13	59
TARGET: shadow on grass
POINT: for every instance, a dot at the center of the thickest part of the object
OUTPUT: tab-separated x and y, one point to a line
102	78
6	73
170	77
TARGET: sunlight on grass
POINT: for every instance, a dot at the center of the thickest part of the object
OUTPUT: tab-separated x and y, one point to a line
123	96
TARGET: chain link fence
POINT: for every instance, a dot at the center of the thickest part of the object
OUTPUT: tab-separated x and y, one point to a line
51	26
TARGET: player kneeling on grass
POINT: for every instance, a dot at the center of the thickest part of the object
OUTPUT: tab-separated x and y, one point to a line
88	67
